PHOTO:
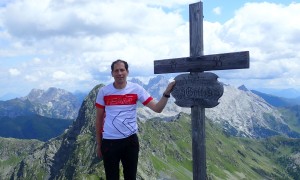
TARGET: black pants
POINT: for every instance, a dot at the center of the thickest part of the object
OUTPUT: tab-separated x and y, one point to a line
124	150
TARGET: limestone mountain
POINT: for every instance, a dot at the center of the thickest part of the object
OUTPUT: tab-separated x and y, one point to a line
52	103
240	112
157	86
245	114
42	114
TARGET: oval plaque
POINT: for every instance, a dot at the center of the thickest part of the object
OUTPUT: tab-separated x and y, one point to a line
197	89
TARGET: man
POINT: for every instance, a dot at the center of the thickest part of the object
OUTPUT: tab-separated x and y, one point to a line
116	125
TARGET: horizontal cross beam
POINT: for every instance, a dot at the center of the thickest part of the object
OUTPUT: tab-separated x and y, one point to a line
235	60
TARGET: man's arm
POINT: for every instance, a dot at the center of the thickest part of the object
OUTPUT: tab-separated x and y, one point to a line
160	105
99	129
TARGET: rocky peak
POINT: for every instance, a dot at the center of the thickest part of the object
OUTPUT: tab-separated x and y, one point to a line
51	94
137	81
243	88
157	85
160	79
54	103
34	94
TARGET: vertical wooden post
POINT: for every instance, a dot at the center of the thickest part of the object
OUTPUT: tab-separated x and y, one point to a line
196	29
198	112
198	101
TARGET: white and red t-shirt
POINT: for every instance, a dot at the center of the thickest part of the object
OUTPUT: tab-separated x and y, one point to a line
120	108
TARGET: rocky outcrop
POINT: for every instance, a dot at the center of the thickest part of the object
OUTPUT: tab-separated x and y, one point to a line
52	103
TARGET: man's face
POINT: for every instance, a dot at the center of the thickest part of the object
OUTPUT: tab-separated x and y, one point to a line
119	73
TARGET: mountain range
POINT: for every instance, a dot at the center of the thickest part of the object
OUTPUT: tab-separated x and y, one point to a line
240	112
53	103
42	114
247	138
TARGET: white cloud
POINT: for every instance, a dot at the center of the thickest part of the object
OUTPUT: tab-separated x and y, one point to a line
37	60
14	72
71	44
272	35
31	78
59	75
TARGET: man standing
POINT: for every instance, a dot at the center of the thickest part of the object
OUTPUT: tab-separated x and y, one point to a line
116	125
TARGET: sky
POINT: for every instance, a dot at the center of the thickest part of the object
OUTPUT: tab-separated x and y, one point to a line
70	44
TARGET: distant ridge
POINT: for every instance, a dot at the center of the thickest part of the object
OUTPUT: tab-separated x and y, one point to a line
277	101
289	93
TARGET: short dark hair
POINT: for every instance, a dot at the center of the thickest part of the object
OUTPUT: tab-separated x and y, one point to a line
117	61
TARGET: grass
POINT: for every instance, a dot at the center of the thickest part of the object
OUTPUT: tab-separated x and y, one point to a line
227	157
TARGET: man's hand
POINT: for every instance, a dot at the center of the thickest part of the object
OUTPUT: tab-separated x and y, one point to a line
98	149
100	114
169	88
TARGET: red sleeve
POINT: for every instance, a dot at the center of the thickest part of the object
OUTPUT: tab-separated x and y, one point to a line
147	101
99	106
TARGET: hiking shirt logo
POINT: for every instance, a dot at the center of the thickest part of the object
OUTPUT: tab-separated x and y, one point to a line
125	123
127	99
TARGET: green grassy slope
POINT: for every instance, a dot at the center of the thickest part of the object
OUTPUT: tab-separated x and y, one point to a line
12	151
168	146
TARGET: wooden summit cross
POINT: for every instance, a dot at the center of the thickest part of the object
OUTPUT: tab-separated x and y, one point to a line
199	90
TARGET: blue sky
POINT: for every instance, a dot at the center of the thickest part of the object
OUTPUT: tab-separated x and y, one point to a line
223	10
70	44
